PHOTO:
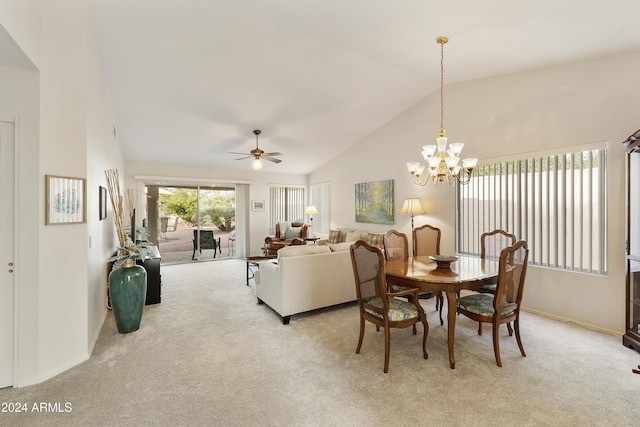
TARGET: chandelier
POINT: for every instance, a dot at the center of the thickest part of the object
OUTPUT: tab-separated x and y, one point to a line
443	161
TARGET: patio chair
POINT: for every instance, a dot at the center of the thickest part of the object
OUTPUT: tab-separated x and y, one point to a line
207	241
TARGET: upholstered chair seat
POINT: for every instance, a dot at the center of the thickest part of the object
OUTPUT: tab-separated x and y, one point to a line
398	310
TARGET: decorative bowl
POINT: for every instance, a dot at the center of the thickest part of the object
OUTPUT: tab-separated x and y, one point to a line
443	261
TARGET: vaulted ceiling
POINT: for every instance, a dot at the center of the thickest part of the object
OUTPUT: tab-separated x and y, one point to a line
190	80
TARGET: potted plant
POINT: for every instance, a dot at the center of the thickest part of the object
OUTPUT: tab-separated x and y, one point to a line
127	280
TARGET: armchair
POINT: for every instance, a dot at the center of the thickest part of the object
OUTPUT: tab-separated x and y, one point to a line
286	234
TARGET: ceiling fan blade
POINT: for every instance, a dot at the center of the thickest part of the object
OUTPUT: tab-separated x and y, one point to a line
272	159
272	154
242	158
244	154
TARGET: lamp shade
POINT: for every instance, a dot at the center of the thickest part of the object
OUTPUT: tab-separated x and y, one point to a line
412	207
311	210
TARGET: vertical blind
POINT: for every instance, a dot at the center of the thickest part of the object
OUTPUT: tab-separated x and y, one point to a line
286	204
556	203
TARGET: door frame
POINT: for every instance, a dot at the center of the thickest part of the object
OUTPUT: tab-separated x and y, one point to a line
12	257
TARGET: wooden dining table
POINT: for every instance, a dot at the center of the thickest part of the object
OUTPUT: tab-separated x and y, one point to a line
468	272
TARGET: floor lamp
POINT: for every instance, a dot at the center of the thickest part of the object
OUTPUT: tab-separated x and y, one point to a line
311	210
412	207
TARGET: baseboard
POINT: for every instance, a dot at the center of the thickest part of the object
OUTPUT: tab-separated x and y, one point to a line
94	340
567	320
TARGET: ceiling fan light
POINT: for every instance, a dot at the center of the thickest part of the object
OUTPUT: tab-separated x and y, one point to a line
256	164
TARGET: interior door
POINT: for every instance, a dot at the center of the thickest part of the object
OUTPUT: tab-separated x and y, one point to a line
7	290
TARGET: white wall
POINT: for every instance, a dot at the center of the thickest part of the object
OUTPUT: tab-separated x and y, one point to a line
63	151
559	106
103	152
259	182
63	128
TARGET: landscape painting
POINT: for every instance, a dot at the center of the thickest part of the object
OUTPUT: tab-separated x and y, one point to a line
374	202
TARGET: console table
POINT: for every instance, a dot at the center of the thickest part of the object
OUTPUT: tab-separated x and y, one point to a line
152	265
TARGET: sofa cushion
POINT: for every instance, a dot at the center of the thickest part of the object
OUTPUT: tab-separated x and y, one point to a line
339	247
299	250
352	236
334	236
293	232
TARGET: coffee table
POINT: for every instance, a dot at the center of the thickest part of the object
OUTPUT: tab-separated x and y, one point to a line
254	261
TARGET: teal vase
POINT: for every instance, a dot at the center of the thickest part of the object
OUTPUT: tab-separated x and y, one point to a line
128	291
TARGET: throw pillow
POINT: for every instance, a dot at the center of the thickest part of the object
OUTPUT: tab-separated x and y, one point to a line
334	236
292	233
352	236
283	229
376	239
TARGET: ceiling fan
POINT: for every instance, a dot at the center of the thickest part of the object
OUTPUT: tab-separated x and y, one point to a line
258	154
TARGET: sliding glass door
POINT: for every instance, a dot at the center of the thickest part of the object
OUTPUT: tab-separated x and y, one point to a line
192	223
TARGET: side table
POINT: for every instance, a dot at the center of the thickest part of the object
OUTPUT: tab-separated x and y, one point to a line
254	261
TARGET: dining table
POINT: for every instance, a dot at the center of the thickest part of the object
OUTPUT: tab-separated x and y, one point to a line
423	272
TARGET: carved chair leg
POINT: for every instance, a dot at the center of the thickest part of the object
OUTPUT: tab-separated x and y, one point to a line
387	347
361	335
496	343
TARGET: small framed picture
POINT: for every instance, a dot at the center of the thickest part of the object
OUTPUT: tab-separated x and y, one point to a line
65	200
257	205
103	202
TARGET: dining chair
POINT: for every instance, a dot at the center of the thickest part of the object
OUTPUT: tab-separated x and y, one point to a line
491	244
396	246
504	305
377	305
426	241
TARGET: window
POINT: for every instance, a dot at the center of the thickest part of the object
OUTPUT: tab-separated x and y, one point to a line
286	204
557	203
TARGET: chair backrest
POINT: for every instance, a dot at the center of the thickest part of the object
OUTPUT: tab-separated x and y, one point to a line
493	242
426	240
207	241
395	245
174	226
370	277
511	275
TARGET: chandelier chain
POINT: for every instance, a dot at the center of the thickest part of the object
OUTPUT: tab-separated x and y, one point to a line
442	88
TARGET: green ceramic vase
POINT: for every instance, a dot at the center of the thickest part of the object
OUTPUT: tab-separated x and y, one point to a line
128	291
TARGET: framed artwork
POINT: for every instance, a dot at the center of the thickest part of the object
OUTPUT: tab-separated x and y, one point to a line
374	202
103	202
65	200
257	205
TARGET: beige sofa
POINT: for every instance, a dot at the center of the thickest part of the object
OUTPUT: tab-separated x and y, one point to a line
306	278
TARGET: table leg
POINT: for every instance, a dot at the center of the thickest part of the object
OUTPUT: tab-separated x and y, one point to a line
247	273
451	325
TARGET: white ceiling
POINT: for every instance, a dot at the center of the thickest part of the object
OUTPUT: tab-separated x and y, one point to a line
189	80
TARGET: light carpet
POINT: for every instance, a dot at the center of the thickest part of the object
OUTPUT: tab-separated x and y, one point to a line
209	355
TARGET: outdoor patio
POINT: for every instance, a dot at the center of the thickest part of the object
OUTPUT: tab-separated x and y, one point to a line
176	247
